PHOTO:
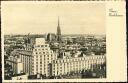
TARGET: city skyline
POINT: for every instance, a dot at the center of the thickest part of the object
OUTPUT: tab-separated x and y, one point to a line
41	19
67	50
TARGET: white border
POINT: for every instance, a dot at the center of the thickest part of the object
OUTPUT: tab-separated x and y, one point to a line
114	42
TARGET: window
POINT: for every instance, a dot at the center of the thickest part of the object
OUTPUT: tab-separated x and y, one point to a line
40	71
36	69
40	56
42	45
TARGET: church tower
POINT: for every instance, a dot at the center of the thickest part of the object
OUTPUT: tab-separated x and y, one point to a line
58	32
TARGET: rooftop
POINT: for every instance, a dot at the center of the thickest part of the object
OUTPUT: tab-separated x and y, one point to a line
20	51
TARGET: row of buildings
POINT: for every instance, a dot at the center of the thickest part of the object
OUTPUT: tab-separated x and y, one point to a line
42	60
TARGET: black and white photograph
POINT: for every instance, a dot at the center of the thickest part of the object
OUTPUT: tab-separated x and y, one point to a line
54	41
46	42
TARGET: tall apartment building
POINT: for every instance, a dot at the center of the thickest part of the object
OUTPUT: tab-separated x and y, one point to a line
42	57
35	58
22	57
77	64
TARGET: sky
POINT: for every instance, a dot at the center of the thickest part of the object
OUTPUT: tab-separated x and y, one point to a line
78	18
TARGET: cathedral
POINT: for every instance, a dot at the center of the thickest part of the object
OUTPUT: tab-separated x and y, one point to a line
51	37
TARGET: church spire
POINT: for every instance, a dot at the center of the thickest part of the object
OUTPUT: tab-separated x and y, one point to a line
58	31
58	22
58	28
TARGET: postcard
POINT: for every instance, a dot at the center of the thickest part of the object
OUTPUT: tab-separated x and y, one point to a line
63	41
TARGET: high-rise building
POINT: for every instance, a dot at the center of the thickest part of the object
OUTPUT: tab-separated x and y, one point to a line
42	57
35	58
58	32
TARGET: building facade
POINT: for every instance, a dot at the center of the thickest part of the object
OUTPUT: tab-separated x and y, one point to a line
42	57
21	59
68	65
17	65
